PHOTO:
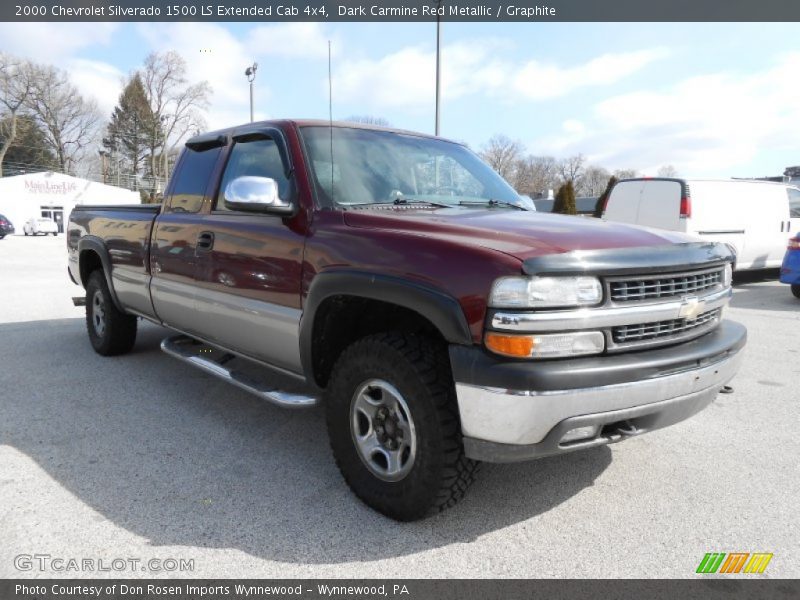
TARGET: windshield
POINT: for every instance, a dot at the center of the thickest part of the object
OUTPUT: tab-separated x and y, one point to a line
371	167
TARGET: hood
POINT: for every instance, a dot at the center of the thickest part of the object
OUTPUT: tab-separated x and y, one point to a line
513	232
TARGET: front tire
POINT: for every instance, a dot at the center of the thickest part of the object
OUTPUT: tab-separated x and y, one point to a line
111	331
796	290
394	428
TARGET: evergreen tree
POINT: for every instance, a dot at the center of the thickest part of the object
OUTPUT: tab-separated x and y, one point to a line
565	200
29	151
601	201
130	133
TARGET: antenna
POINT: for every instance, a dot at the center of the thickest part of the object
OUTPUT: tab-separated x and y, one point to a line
330	112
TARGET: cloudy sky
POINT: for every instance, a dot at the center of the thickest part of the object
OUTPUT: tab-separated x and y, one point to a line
713	100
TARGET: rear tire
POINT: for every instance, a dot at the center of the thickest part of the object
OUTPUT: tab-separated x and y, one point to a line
111	331
796	290
394	428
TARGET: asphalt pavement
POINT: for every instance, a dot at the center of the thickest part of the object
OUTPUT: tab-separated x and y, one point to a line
142	457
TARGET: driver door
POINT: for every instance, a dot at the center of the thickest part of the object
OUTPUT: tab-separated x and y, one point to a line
248	265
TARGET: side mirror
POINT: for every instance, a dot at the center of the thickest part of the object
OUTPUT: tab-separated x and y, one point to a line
255	194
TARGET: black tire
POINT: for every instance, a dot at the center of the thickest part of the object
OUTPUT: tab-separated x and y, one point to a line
419	369
25	232
796	290
111	332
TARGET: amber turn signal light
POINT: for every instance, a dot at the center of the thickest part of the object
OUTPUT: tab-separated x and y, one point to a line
520	346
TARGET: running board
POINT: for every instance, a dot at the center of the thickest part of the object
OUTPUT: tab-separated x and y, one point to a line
188	350
79	300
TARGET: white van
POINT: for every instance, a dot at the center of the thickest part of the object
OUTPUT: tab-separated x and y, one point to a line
756	218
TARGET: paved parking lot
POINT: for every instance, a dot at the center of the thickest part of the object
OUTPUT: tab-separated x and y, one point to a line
143	457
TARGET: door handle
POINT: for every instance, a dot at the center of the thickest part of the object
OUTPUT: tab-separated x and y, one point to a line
205	241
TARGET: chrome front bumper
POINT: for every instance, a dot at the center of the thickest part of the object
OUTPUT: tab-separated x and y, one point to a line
502	425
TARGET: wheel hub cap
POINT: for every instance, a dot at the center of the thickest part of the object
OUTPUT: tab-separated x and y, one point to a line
98	313
383	430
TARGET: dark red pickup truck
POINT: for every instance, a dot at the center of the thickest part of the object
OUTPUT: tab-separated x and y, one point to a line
399	279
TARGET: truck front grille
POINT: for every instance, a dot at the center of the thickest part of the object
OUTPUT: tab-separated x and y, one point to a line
663	286
663	331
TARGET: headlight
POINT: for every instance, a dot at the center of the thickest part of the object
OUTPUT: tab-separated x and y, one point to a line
551	345
541	292
727	275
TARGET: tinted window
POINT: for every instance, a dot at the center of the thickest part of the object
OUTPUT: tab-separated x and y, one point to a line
259	158
794	202
191	180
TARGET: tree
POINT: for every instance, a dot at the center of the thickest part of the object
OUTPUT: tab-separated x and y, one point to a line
626	173
176	105
369	120
594	181
601	201
565	200
130	132
29	150
535	175
571	169
68	120
502	154
15	87
667	171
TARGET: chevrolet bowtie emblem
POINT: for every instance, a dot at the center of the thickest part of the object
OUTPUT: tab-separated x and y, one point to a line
691	306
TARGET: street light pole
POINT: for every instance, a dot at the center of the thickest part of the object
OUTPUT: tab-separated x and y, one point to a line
250	73
438	63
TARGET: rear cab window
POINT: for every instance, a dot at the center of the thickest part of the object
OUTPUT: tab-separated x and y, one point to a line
192	179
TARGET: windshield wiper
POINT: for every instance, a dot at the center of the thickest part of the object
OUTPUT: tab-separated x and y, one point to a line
401	201
491	202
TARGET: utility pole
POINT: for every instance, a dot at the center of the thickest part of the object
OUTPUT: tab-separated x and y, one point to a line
438	62
250	73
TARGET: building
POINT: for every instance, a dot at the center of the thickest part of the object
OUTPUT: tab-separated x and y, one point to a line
54	195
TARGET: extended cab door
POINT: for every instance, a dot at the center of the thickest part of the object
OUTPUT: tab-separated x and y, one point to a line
249	265
174	245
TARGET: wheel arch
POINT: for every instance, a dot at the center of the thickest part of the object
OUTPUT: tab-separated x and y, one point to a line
341	306
93	254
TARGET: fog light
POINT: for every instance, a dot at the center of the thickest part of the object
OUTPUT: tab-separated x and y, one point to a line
579	433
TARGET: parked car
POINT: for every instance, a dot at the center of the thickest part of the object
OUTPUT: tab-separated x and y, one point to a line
37	225
790	269
6	228
400	280
756	218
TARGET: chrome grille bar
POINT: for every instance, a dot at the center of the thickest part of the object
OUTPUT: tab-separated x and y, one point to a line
663	286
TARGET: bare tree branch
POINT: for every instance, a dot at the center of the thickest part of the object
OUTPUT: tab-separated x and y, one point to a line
69	121
502	154
175	103
15	87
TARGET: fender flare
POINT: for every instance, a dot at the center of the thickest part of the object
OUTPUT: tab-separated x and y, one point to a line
91	243
438	307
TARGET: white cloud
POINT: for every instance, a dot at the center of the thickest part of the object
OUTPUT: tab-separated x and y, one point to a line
52	42
291	40
406	78
707	125
539	81
103	81
213	54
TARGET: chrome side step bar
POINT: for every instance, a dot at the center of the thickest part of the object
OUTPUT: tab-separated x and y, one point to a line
188	350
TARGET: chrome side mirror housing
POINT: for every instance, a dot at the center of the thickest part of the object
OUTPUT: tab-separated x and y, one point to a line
255	194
